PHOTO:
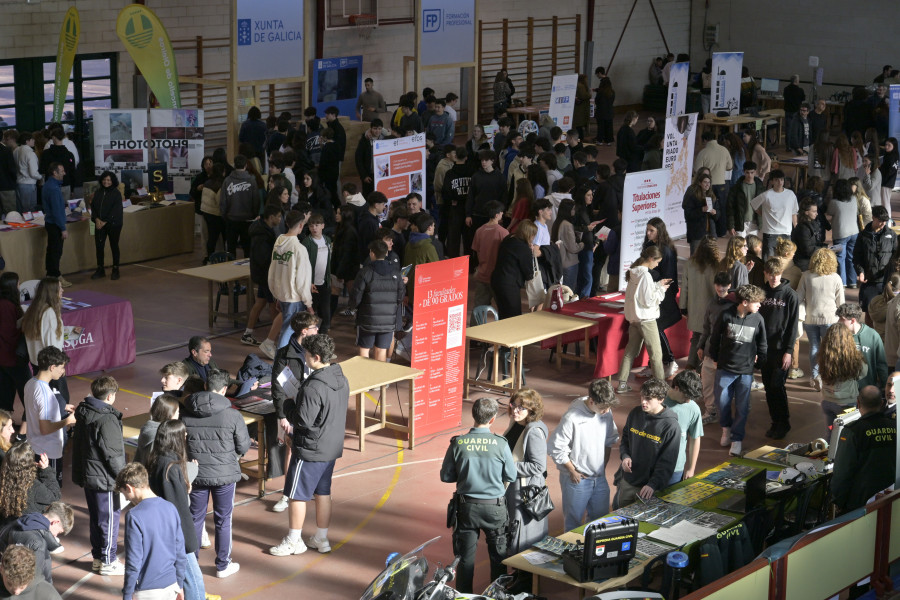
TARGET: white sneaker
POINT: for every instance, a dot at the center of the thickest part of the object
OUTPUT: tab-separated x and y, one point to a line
96	564
204	539
288	547
735	449
672	369
321	545
58	550
228	571
268	348
726	436
282	504
113	569
757	386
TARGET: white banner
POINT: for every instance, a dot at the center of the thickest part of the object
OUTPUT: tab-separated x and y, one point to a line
400	166
269	39
726	81
448	32
678	88
562	100
643	199
678	160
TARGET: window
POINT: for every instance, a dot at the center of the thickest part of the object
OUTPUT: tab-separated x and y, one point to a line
7	96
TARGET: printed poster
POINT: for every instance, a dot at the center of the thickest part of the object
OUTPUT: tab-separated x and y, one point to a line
678	160
119	139
448	32
642	199
894	118
270	39
726	82
400	166
678	88
562	100
438	348
337	82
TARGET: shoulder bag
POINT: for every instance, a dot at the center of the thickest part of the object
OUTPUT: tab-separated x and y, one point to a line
536	500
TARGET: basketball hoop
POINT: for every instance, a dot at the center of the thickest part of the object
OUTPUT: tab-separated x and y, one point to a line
365	24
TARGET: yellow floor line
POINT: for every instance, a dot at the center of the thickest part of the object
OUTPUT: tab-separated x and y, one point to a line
79	377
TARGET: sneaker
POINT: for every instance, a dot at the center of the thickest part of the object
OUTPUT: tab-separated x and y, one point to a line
58	550
248	339
757	386
672	369
710	417
204	539
96	564
348	312
623	388
282	504
228	571
735	449
112	569
817	383
726	436
778	432
321	545
64	283
100	273
795	373
288	547
268	348
115	273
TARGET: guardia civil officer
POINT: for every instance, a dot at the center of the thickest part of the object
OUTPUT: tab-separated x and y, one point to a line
867	454
481	465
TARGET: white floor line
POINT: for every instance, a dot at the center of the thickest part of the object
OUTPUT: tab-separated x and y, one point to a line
403	464
154	268
76	585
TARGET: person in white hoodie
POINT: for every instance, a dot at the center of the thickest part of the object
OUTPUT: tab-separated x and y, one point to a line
290	280
27	174
642	299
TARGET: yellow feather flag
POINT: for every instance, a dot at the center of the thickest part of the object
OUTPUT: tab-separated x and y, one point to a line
65	57
147	42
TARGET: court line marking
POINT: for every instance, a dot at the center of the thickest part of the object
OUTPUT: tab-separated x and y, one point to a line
76	585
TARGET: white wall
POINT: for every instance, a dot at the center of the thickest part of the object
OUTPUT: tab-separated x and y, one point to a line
853	40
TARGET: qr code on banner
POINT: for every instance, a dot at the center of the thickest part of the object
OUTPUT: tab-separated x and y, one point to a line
455	316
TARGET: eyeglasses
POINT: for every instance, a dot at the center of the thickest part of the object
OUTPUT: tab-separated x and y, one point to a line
517	407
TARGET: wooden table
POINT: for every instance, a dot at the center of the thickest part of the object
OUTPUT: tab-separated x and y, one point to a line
517	332
526	111
366	374
225	273
131	429
734	123
800	165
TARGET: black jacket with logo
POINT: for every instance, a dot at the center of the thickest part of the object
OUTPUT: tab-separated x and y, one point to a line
865	460
737	341
873	252
455	191
780	311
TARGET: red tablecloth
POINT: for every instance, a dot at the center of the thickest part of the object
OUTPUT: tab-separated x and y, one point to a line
611	332
99	336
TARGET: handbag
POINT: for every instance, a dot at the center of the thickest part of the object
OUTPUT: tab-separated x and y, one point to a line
534	288
536	501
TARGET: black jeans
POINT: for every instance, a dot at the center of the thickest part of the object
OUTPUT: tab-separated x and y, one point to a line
493	520
13	380
469	236
455	225
721	218
215	228
54	250
321	302
100	236
237	232
775	378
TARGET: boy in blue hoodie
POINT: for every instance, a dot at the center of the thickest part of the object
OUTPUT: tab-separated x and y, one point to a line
98	454
40	533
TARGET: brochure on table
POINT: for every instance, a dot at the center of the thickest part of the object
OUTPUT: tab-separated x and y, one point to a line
678	160
643	198
726	82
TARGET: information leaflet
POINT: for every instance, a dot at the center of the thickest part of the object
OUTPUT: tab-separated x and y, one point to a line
562	100
678	160
643	199
726	82
438	348
400	166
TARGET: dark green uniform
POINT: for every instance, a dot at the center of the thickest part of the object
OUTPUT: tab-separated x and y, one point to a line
481	464
866	460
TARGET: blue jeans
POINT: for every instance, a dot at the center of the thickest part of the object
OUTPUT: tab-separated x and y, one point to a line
676	478
815	333
27	196
570	277
846	270
585	281
733	385
591	494
193	579
288	310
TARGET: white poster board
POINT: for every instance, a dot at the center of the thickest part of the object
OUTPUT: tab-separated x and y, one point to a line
726	82
448	32
643	199
269	39
399	166
678	88
678	160
562	100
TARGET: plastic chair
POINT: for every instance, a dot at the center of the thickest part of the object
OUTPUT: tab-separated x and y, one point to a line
238	290
27	289
480	317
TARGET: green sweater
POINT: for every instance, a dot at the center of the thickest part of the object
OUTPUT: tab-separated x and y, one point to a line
870	344
419	251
